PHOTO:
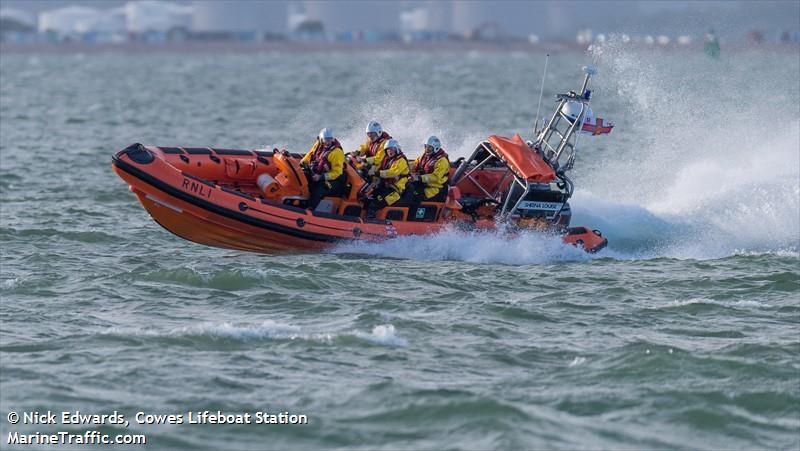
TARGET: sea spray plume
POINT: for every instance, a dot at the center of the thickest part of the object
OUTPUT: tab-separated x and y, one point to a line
715	150
632	230
405	103
406	114
412	105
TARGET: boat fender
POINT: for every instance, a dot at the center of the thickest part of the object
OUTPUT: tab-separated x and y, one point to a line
139	154
267	184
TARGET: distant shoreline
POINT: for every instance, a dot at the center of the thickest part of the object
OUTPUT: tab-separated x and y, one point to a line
352	47
286	47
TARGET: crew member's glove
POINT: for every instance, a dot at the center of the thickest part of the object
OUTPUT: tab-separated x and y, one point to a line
372	171
316	177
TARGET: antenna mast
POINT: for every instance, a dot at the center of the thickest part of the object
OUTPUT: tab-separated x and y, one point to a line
541	93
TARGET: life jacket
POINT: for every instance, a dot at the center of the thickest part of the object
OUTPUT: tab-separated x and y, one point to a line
387	163
319	159
427	162
373	146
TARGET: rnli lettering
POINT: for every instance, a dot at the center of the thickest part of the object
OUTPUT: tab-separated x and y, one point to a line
196	187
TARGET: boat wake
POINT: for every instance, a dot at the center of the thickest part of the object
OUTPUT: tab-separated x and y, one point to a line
705	169
473	247
704	165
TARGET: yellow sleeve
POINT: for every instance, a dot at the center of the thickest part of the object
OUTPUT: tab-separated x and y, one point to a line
336	159
307	158
441	171
362	149
400	186
400	167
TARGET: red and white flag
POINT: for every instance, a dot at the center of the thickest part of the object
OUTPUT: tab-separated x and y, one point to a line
597	126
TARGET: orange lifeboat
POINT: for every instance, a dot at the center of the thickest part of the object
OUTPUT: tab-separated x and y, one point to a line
254	200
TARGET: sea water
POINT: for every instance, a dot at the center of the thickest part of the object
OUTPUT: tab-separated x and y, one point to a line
683	333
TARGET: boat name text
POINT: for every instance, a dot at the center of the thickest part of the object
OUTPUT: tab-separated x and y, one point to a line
532	205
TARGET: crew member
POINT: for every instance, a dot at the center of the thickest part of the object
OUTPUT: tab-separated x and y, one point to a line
392	175
429	174
325	164
371	152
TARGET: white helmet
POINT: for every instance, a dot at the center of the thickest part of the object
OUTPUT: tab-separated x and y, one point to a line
573	109
374	127
433	142
325	133
391	144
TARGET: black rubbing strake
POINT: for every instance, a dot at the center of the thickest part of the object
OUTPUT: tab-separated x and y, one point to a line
197	151
233	152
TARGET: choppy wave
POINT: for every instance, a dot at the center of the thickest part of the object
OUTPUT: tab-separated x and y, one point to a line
704	301
219	278
10	284
83	236
267	329
383	334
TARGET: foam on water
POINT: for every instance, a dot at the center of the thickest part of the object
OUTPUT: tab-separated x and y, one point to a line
384	334
790	253
577	361
10	284
267	329
473	247
730	304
